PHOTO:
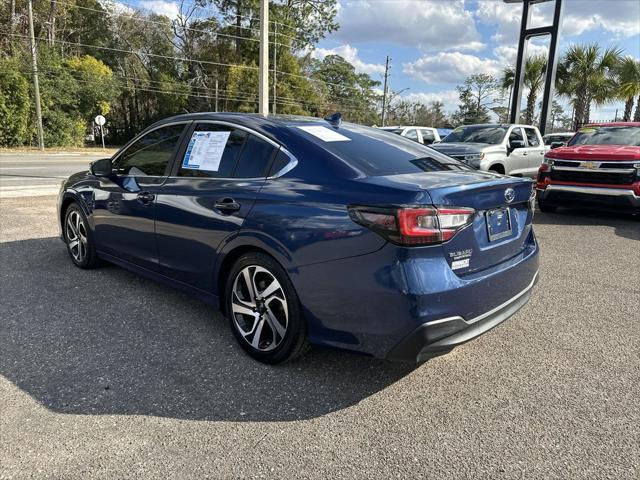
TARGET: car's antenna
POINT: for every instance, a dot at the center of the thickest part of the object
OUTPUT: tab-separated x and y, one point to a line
335	119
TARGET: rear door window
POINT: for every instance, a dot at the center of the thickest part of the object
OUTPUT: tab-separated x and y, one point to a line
255	158
412	134
532	137
516	134
427	137
212	162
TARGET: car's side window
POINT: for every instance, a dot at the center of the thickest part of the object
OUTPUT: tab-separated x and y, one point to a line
532	137
516	134
149	155
213	163
412	134
427	137
254	159
280	162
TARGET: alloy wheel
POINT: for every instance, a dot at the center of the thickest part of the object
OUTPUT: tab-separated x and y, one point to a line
76	233
259	308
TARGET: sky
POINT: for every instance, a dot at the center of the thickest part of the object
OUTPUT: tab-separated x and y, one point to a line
435	44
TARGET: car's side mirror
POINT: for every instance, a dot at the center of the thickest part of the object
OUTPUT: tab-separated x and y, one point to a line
513	144
557	145
102	168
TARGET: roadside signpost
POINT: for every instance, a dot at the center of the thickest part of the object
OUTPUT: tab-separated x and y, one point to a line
100	121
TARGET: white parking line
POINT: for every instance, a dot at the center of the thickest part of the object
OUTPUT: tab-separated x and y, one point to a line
29	190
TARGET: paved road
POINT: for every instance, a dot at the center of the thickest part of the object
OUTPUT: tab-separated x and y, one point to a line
106	375
34	174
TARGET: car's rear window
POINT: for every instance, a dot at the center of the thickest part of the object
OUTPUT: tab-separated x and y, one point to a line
375	152
618	135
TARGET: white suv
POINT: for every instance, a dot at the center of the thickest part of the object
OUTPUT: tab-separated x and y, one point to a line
424	135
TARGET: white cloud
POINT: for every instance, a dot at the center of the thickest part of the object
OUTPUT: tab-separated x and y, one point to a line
450	67
117	7
161	7
350	54
620	17
507	54
425	24
449	98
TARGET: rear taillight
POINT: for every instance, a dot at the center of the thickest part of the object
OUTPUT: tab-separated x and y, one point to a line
414	225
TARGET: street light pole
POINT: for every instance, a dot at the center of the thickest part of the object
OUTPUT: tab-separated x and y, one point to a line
263	92
36	85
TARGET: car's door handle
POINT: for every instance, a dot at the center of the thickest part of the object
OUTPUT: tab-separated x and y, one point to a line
146	198
226	205
525	153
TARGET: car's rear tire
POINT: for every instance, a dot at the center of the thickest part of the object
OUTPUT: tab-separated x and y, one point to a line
79	238
546	208
264	310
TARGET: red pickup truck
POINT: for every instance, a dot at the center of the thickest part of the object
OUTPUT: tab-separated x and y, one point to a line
599	168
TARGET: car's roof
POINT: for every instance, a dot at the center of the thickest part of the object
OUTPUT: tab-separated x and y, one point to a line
613	124
505	125
560	133
241	118
389	127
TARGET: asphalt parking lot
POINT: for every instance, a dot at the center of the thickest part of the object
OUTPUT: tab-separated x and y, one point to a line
104	374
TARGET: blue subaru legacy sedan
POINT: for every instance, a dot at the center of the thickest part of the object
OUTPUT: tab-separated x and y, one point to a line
308	231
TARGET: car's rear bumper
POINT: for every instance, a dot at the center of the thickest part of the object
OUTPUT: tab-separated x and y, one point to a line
440	336
372	303
573	195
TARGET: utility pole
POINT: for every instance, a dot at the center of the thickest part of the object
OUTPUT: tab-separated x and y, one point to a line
275	65
216	94
36	86
263	90
384	92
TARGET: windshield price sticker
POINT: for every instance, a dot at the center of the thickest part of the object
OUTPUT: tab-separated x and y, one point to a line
205	150
325	134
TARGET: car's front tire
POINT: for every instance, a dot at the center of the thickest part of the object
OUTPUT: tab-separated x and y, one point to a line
79	238
264	310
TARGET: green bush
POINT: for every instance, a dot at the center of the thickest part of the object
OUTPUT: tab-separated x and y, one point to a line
14	105
63	129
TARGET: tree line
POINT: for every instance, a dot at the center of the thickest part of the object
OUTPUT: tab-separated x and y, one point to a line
135	67
587	75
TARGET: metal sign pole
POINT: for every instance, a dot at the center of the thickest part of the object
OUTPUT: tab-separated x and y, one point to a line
526	33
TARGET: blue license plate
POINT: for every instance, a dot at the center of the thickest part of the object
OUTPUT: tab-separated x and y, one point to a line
498	223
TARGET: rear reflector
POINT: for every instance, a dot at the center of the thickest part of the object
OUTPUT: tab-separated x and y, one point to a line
412	225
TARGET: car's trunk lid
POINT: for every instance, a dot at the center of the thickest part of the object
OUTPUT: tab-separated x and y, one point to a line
498	200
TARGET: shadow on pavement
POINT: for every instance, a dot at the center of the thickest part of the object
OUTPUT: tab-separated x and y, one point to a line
625	225
109	342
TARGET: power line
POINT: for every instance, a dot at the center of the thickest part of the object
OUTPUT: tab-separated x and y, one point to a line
131	16
121	50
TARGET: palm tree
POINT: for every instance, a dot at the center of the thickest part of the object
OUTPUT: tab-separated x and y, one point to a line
628	84
534	70
587	74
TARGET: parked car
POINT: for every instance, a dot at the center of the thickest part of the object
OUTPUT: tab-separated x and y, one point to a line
304	231
600	167
557	139
424	135
515	150
443	132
